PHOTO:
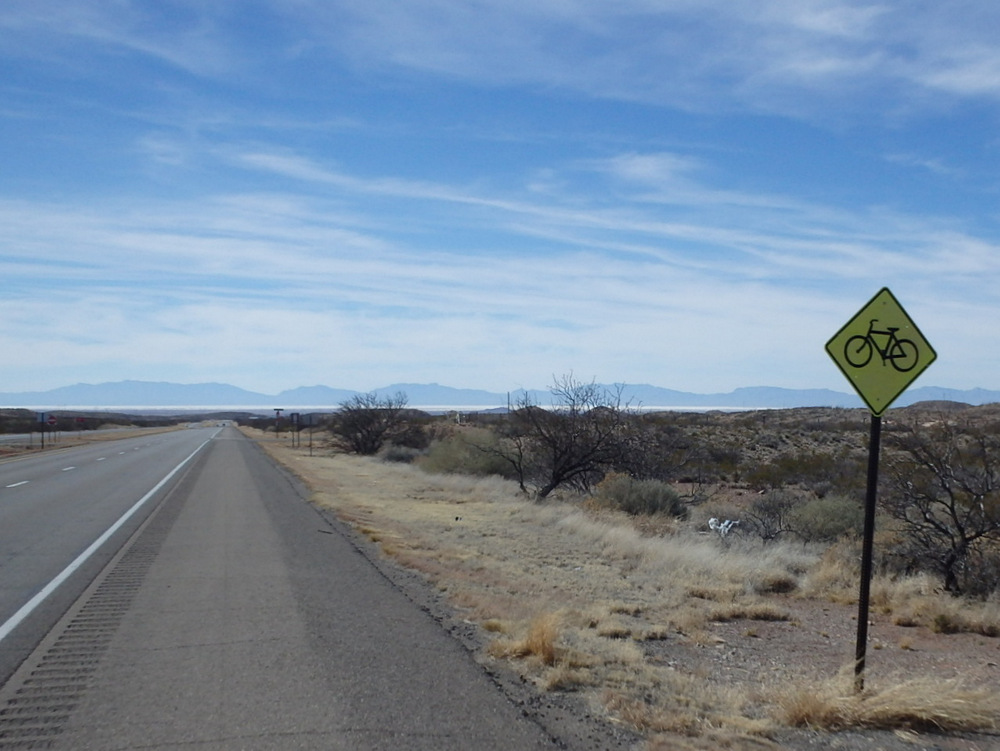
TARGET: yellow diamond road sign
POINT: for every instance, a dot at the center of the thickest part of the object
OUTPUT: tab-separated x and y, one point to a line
881	351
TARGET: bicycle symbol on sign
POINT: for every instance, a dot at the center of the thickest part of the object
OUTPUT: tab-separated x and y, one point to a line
901	353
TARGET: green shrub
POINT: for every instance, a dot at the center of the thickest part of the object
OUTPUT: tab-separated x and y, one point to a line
471	451
647	497
820	471
827	519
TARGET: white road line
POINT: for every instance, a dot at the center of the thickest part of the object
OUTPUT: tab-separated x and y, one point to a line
102	458
67	469
51	587
18	484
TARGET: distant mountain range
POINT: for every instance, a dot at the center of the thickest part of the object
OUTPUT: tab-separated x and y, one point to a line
159	395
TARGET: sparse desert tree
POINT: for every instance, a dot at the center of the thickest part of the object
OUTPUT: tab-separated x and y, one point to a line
944	492
365	422
574	442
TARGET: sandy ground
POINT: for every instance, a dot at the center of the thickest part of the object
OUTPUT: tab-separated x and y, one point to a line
642	641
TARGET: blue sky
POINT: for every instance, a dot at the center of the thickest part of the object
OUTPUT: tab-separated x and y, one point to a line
490	193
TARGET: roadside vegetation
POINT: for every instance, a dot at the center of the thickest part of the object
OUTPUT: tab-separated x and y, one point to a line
694	574
70	428
66	421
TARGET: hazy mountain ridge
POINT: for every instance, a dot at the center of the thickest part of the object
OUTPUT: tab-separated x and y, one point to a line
163	394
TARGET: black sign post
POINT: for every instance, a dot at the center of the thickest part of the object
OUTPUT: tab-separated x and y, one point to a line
881	352
867	553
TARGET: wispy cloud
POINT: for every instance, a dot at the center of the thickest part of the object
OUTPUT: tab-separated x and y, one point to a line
781	55
790	56
274	271
190	39
482	190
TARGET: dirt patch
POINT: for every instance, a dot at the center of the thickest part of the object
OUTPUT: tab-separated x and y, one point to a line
615	638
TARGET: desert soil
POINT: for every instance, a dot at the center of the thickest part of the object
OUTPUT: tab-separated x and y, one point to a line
637	665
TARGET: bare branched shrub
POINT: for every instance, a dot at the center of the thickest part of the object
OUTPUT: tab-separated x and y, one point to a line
365	422
770	515
944	493
573	443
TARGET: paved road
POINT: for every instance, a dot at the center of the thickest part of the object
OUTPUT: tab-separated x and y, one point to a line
56	505
238	617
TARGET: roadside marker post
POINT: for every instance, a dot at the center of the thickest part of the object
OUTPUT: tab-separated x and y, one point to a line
881	352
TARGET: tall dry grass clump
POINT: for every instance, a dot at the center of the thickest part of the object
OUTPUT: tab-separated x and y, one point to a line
687	705
539	641
693	560
944	614
917	704
910	600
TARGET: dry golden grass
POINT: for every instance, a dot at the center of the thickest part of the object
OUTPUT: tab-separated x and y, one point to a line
584	601
685	704
946	615
748	611
910	601
711	742
539	642
919	703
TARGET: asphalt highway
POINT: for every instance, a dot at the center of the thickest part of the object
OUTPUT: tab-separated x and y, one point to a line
236	616
56	505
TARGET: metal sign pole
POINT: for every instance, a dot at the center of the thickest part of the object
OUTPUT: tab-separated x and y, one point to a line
867	554
880	351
